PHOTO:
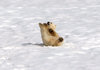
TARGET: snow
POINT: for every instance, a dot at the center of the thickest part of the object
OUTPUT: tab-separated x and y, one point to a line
78	22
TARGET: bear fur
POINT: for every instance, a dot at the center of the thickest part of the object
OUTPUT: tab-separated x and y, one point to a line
49	36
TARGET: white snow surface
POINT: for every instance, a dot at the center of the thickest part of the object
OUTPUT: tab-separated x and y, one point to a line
78	22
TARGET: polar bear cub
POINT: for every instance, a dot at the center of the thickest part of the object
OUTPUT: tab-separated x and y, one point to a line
49	35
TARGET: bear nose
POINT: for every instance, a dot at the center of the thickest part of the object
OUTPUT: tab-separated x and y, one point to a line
48	23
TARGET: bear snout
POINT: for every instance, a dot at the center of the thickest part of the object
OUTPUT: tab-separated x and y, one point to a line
48	23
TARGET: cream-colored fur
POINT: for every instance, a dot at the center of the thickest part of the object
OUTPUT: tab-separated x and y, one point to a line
47	38
53	27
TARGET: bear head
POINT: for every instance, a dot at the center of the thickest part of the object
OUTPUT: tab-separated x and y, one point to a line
50	25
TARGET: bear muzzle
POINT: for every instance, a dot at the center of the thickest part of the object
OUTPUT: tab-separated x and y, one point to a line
48	23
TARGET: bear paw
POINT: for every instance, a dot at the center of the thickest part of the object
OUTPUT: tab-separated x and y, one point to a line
51	32
40	24
60	39
44	24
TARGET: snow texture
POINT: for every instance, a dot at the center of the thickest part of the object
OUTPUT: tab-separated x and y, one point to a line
78	22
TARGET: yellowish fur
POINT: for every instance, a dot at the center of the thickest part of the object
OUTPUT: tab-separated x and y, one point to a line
47	38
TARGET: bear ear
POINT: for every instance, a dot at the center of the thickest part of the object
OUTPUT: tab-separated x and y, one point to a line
56	25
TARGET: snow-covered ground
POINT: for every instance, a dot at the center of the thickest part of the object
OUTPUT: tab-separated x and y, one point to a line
78	22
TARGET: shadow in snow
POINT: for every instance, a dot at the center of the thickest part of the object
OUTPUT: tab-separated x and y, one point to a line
27	44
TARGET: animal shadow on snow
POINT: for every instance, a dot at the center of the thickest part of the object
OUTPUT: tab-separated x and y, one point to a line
30	44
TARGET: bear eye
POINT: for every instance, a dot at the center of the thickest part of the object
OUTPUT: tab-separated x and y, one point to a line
51	22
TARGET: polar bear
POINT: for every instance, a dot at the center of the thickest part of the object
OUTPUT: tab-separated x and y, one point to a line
49	35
